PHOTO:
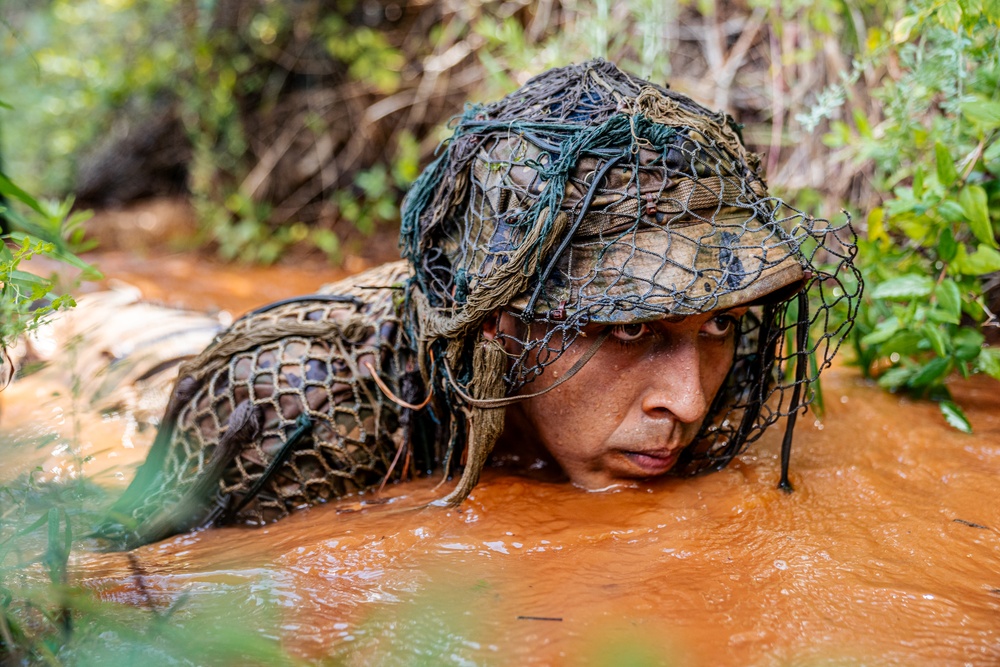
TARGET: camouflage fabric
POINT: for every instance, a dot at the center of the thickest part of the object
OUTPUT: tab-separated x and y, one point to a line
281	411
662	237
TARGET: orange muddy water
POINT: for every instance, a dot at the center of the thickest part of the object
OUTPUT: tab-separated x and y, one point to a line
887	553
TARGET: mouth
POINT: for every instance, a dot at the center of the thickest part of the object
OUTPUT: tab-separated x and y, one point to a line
653	463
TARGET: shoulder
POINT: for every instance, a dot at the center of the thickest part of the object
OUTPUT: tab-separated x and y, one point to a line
389	276
376	292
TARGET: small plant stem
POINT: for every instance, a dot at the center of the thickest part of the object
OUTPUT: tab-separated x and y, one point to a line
940	278
8	638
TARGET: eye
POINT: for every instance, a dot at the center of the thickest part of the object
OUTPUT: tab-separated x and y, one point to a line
720	326
630	332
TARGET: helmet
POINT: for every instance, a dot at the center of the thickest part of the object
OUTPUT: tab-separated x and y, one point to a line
592	196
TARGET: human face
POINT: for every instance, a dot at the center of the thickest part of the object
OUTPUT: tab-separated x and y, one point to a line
632	408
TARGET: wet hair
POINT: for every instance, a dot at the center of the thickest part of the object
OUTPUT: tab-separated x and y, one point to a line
590	196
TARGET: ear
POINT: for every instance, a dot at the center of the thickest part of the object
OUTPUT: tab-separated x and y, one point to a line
491	325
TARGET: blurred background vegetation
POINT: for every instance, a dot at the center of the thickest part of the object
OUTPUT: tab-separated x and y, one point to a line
285	128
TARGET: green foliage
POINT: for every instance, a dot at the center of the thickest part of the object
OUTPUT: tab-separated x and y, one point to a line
34	229
634	37
932	243
47	618
374	199
366	52
63	61
39	229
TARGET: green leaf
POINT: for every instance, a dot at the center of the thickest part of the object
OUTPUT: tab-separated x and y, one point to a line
951	211
25	278
901	31
972	6
4	105
989	361
90	272
991	11
968	343
945	167
974	204
906	343
861	122
10	189
883	331
839	135
937	339
915	227
932	372
946	245
904	287
991	156
876	225
949	15
954	416
983	112
984	260
949	299
895	377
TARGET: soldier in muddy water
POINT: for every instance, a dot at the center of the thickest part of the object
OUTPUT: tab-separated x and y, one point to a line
595	284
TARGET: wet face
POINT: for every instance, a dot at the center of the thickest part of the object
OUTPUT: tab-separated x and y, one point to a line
633	407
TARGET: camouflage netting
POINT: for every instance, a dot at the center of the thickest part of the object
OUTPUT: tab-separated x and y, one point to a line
590	197
585	200
280	412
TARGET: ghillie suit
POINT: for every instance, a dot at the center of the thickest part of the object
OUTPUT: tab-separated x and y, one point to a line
588	197
280	411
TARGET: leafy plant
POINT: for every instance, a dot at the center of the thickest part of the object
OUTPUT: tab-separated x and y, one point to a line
41	229
931	246
63	61
47	618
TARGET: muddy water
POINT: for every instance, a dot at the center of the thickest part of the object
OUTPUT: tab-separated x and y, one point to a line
888	552
184	282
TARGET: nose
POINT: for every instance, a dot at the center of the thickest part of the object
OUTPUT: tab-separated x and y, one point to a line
676	385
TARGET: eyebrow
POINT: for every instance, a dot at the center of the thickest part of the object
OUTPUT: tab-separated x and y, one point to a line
674	319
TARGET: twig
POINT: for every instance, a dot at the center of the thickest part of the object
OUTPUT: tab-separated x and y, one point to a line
139	575
972	158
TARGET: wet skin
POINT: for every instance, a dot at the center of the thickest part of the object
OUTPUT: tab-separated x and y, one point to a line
629	412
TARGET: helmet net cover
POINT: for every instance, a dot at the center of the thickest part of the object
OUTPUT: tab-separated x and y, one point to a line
590	196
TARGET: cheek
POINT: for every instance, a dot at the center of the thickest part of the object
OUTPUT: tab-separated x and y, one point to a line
574	420
715	362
